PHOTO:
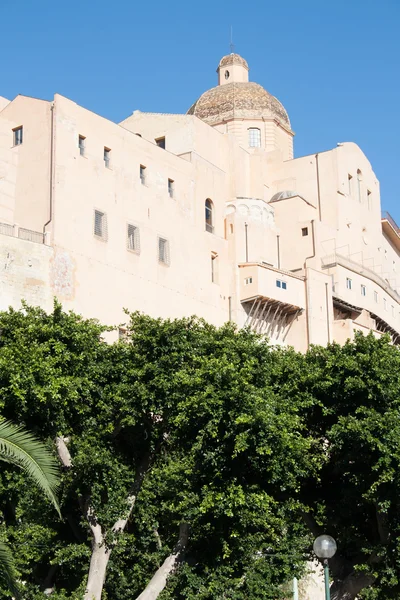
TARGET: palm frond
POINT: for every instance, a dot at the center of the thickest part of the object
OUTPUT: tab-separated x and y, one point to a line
22	448
7	572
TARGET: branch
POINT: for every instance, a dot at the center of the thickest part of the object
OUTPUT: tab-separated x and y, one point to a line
351	586
160	577
88	512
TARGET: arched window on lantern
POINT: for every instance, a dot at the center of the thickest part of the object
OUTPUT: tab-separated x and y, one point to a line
209	215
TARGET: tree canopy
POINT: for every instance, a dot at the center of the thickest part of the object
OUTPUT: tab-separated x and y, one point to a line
201	456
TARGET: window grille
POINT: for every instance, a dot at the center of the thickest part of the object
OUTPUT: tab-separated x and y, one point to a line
133	238
143	174
82	145
209	216
254	137
18	136
107	157
100	225
163	251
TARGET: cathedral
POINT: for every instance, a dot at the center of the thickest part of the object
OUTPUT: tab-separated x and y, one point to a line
206	213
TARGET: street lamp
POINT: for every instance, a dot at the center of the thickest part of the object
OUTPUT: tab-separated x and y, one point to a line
325	547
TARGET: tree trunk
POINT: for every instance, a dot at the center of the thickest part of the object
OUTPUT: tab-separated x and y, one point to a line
351	586
160	577
97	572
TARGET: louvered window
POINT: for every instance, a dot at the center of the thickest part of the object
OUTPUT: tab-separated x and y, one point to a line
100	225
133	239
163	251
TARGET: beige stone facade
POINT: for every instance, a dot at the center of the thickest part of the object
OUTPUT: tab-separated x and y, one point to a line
206	213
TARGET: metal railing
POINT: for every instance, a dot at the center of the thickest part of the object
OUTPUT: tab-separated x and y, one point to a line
387	216
31	236
331	260
6	229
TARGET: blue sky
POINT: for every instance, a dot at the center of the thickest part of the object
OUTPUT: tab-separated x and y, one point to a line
334	64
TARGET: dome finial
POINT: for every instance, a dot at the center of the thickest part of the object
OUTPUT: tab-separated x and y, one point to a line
232	45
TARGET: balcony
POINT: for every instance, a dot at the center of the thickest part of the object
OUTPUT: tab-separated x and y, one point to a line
272	298
391	229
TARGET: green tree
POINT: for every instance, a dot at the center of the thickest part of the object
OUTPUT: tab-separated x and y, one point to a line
21	448
354	420
178	449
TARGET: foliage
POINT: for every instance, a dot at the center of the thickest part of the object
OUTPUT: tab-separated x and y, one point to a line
226	449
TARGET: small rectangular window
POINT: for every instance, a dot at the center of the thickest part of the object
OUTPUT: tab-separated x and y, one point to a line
304	231
163	251
171	186
248	280
384	304
18	136
143	174
348	283
214	267
100	225
160	142
376	296
107	157
284	286
254	137
393	313
278	283
82	145
133	238
122	333
363	290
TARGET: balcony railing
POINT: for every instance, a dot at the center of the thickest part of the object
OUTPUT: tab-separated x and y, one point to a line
22	233
331	260
387	217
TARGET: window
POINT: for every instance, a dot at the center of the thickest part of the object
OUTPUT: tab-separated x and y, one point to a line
304	231
248	280
163	251
214	267
209	216
359	181
226	74
376	296
281	284
143	174
107	157
133	238
384	304
393	313
350	184
254	137
100	224
363	290
82	145
122	333
160	142
18	132
348	283
171	187
369	194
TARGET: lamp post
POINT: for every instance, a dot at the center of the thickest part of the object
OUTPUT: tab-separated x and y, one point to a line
325	547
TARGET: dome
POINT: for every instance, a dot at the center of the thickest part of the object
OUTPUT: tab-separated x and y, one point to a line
233	59
241	100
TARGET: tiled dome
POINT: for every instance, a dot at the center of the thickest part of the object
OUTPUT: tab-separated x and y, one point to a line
233	59
245	100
